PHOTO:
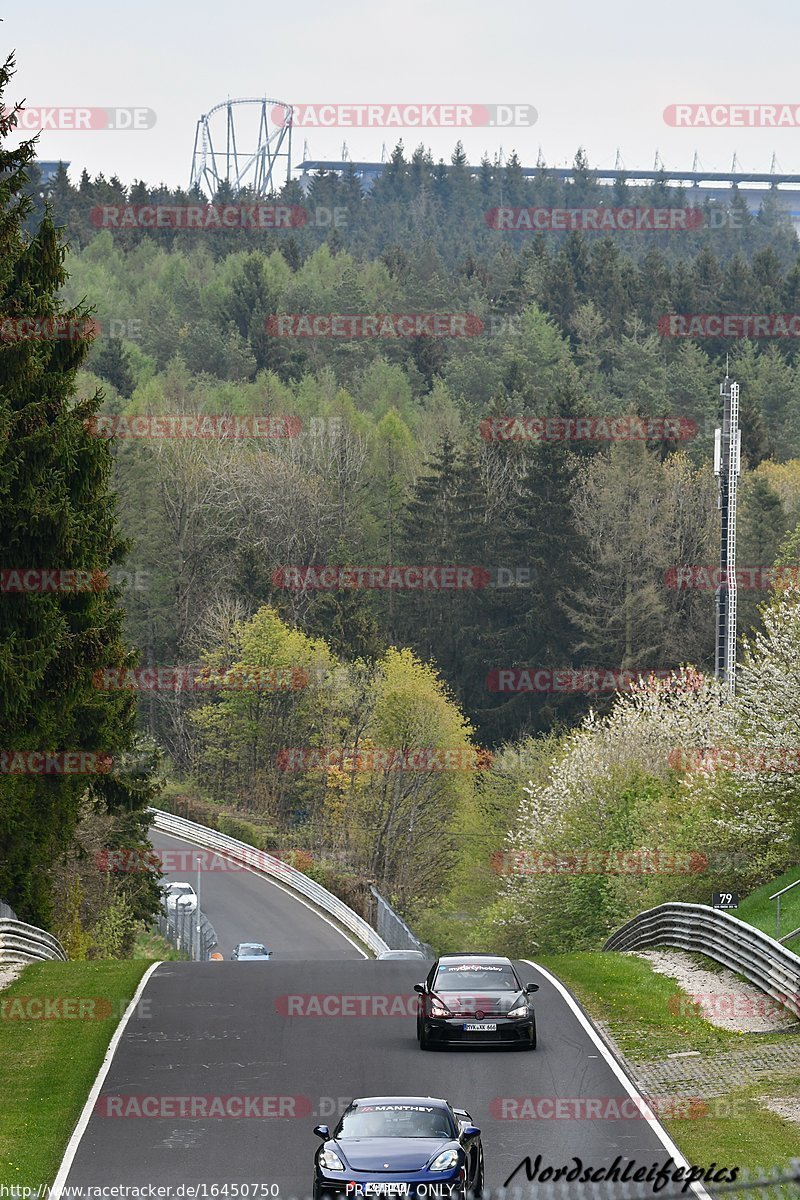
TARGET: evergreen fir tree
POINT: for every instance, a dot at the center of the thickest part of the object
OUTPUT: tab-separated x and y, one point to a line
56	512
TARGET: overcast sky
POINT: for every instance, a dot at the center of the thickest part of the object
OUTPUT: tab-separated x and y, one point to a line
599	74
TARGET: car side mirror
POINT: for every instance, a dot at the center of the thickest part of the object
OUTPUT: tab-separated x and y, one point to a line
420	987
531	987
470	1131
322	1131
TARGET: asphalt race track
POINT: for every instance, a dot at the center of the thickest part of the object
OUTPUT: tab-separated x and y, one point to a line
246	907
223	1029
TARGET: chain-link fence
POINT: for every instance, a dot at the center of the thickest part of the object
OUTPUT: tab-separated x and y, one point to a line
188	929
392	928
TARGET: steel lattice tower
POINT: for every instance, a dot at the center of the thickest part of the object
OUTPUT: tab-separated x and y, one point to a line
219	161
727	464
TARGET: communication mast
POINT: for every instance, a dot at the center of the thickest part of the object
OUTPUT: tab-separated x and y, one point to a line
727	465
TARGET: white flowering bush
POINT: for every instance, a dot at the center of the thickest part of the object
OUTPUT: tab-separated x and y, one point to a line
635	812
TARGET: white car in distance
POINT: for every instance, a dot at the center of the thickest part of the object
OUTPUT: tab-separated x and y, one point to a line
180	895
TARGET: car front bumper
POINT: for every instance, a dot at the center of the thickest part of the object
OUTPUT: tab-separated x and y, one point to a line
452	1030
361	1185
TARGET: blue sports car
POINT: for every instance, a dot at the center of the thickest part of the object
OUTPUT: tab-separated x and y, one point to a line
411	1146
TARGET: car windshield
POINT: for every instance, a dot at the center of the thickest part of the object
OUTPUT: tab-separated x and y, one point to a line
475	977
181	889
253	952
395	1120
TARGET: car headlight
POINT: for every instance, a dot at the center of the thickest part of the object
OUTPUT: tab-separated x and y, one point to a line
439	1010
445	1161
520	1011
330	1161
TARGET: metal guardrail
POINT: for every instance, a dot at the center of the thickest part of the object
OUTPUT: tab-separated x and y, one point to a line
777	896
22	943
393	929
274	868
726	939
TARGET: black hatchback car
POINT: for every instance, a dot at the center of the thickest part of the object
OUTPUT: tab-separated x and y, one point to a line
475	1000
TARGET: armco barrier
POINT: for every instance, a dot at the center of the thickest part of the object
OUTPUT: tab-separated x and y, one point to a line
274	868
726	939
21	943
393	929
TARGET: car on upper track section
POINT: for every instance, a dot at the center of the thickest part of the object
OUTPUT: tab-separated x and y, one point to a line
412	1146
475	1000
251	952
392	955
180	896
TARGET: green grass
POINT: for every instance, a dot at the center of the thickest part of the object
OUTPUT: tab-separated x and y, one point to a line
47	1066
757	909
751	1136
634	1003
149	944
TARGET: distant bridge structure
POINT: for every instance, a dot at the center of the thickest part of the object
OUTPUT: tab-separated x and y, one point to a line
700	185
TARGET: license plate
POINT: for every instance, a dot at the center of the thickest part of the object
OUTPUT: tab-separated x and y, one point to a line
386	1189
484	1027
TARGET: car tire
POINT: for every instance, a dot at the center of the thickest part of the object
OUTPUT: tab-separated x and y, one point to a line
531	1045
424	1041
477	1191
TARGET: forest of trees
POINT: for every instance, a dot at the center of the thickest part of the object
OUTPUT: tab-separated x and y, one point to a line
391	462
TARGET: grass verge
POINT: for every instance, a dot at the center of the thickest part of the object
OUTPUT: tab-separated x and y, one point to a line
47	1066
150	945
637	1007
